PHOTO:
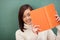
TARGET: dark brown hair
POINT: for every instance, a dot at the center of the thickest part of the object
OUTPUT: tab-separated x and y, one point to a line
20	16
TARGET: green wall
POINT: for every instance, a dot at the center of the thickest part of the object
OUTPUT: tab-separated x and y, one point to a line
9	15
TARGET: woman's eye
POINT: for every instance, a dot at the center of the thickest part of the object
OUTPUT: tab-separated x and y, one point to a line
28	14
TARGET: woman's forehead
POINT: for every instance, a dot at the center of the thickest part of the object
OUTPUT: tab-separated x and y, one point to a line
26	11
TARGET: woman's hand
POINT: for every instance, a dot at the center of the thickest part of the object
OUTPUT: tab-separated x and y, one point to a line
57	18
36	29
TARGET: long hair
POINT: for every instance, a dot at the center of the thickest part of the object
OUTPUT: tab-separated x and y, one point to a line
20	16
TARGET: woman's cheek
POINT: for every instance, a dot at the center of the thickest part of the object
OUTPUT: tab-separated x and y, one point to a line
24	19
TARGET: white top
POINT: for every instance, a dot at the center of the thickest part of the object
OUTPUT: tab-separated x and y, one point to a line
58	33
29	35
49	35
46	35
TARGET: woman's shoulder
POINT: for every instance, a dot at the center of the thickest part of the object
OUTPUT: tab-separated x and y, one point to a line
18	32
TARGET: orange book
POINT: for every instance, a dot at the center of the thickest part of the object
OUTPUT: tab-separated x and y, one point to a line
44	17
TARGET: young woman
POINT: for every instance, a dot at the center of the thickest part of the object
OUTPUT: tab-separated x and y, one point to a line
26	30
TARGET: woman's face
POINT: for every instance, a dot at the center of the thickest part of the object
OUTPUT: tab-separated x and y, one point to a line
26	17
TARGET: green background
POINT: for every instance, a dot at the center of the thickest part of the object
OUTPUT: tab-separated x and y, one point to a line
9	15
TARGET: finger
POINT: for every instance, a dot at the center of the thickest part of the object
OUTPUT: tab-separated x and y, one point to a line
56	15
36	26
57	18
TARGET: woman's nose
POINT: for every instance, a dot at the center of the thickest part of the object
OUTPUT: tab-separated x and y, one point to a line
27	17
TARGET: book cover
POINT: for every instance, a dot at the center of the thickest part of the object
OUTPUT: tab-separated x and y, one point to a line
44	17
